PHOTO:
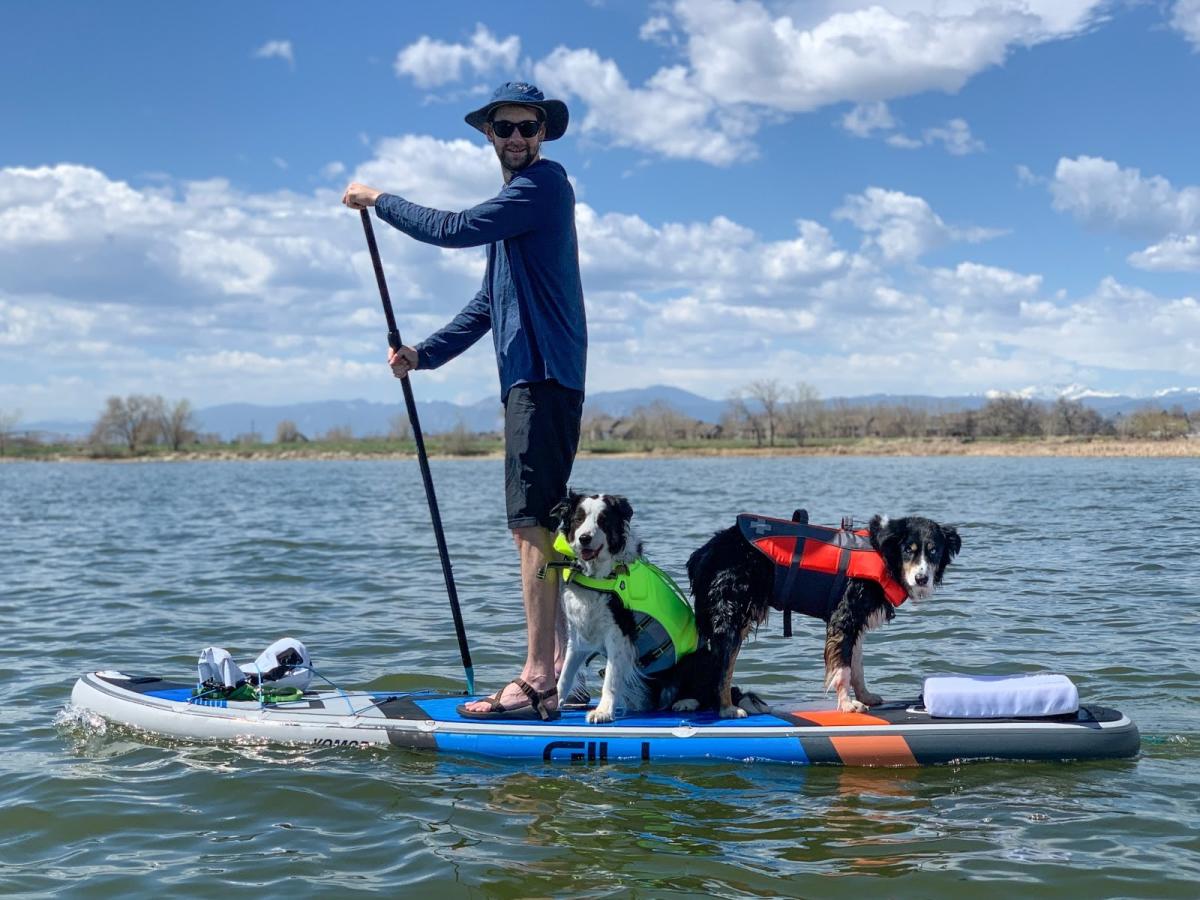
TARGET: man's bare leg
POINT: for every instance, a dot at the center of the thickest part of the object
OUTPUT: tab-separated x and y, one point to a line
542	619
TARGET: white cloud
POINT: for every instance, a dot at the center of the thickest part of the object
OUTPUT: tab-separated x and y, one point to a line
903	142
29	323
1185	18
715	259
1121	327
443	174
657	29
1178	253
669	116
277	50
230	265
976	285
431	63
865	118
206	291
743	53
900	226
1026	176
955	136
708	317
47	203
746	63
1102	195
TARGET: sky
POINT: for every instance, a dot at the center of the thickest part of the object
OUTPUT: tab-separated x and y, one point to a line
938	197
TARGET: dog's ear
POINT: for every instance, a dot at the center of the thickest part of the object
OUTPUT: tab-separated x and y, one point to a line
562	510
953	545
622	506
881	531
953	541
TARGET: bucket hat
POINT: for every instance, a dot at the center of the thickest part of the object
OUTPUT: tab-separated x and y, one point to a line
523	94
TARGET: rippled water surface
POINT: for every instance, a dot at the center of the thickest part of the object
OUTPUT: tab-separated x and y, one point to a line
1088	567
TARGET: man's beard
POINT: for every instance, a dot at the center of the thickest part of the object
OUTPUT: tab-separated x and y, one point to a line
515	162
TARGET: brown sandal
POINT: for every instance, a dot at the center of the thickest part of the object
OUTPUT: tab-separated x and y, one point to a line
536	708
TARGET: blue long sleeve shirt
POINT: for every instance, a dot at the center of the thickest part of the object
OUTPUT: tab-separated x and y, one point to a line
532	296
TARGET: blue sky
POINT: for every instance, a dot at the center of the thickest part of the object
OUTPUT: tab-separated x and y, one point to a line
919	196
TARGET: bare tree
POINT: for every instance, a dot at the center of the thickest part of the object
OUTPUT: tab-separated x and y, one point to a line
459	441
177	423
1071	417
8	424
744	419
339	433
286	432
638	427
666	423
134	421
962	424
1149	422
596	426
769	393
900	420
1010	417
801	411
399	428
849	421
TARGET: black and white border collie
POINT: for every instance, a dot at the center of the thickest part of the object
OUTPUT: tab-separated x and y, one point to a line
733	586
600	532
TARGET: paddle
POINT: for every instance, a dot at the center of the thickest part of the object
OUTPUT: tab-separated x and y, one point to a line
395	343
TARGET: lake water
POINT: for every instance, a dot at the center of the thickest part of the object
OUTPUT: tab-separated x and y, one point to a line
1087	567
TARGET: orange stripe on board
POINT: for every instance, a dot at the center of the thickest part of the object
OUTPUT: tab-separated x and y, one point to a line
833	717
868	750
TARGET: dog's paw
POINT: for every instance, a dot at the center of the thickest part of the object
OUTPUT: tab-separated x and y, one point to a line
688	705
599	716
733	712
754	704
868	698
853	706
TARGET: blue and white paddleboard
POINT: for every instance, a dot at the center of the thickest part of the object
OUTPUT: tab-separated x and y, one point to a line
894	734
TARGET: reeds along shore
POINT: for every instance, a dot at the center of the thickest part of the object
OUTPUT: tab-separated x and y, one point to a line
484	448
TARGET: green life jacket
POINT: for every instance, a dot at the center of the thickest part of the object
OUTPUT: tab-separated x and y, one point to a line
665	623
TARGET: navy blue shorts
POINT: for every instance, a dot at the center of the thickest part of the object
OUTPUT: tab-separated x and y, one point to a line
541	436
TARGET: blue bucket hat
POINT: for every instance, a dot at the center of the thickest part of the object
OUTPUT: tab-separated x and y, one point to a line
523	94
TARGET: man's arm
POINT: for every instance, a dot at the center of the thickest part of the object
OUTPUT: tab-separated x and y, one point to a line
461	332
512	212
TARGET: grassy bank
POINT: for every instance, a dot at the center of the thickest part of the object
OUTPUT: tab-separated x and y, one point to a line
456	445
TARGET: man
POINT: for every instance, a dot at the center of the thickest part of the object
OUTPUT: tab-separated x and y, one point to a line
532	301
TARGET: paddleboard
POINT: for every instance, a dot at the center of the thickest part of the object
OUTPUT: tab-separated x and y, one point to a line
893	734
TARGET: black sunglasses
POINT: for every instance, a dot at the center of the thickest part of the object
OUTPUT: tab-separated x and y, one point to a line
504	129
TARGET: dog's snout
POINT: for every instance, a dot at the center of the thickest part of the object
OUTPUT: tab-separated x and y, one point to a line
585	540
922	579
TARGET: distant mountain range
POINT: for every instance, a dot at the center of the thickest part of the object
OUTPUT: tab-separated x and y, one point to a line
365	418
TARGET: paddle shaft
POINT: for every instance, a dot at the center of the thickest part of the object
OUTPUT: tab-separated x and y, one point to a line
422	457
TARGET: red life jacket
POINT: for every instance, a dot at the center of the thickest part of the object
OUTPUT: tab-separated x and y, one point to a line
813	563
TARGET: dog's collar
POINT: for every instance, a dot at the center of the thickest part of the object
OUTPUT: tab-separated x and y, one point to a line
573	571
573	567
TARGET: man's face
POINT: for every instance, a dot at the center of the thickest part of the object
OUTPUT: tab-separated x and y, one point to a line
515	151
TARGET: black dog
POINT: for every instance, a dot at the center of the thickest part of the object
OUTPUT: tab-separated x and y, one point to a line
733	584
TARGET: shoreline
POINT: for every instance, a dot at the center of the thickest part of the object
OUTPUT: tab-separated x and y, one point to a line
906	447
